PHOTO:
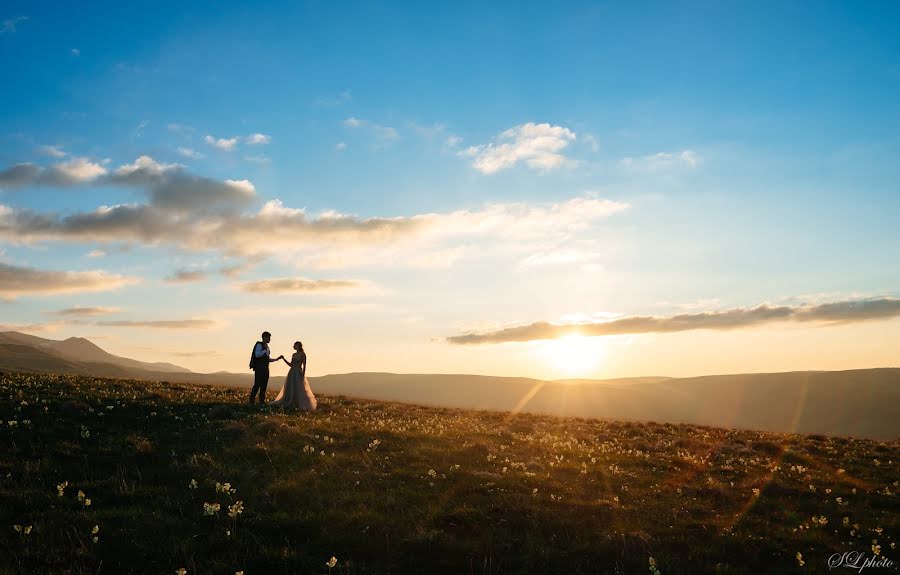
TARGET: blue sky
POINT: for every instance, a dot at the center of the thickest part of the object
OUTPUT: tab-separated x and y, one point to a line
747	149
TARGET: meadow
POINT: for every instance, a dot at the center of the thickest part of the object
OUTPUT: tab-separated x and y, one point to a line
119	476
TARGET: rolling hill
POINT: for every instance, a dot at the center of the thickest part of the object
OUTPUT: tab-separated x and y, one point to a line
860	403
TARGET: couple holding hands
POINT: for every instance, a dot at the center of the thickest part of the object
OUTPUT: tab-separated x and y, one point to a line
296	391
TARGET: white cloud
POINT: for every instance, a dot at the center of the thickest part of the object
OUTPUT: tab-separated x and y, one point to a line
54	151
342	98
340	147
385	135
75	52
538	146
145	165
201	214
453	141
591	141
662	161
10	25
226	144
79	170
258	139
190	153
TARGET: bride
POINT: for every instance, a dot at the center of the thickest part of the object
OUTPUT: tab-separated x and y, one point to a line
296	391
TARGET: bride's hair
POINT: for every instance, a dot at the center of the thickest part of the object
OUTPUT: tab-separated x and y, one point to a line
300	343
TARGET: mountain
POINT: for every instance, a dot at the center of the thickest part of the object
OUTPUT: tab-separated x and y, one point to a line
83	350
860	403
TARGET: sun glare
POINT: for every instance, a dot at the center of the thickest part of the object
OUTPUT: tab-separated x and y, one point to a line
574	354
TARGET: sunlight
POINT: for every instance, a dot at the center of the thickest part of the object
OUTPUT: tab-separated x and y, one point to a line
574	354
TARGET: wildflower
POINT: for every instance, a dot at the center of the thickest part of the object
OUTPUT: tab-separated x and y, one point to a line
756	491
87	502
238	573
193	484
181	571
236	509
331	562
876	549
653	569
60	488
17	528
85	432
224	488
80	495
800	560
27	530
95	530
432	473
211	508
812	488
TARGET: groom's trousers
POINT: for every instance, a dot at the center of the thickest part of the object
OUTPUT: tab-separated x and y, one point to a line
260	381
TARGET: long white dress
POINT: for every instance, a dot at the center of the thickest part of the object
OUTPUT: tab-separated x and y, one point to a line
296	391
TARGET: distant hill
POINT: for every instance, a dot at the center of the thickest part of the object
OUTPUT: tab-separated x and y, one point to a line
82	350
860	403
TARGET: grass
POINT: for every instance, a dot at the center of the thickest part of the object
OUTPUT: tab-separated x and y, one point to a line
395	488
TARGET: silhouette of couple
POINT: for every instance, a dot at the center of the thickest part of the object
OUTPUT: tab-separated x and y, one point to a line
296	392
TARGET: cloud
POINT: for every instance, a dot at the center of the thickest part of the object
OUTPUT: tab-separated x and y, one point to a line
18	281
190	153
75	52
342	98
19	175
84	311
257	139
298	285
199	214
663	161
163	324
839	312
340	147
10	25
73	172
186	276
54	151
538	146
226	144
385	135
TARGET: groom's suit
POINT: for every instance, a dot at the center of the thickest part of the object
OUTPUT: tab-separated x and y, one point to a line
261	367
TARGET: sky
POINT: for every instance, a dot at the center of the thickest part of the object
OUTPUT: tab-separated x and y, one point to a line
585	189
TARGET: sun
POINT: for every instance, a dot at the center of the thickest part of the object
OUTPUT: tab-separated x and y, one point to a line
574	354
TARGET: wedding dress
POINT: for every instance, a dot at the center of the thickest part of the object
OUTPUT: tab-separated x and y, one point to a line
296	391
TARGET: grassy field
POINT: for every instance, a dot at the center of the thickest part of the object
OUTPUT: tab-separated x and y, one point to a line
115	476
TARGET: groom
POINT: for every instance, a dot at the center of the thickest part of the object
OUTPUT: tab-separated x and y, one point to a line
260	363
